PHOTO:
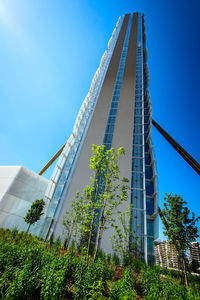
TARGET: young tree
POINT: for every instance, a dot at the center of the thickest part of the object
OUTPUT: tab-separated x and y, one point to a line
124	240
93	210
113	188
73	219
34	213
179	227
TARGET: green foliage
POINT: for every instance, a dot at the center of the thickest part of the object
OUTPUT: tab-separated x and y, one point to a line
92	277
116	259
99	200
156	287
180	229
54	278
51	240
35	212
124	288
137	265
30	269
58	244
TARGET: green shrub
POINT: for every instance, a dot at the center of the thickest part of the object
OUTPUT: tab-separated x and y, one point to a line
51	240
151	283
136	265
115	259
54	278
124	288
58	244
89	279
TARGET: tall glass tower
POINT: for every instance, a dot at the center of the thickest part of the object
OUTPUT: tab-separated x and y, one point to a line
116	112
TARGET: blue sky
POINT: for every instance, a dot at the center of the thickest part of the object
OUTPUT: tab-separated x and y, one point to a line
49	53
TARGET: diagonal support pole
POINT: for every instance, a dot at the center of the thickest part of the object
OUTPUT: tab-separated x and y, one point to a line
187	157
52	160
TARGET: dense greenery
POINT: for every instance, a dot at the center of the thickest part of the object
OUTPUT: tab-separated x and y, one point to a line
180	229
33	269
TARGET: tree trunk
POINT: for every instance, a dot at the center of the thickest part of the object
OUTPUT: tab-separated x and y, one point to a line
98	243
28	228
90	235
99	234
93	219
184	268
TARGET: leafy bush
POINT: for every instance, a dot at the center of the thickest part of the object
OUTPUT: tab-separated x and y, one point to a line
116	259
124	288
31	269
54	278
151	283
92	274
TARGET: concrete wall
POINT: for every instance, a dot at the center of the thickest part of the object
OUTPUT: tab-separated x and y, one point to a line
19	188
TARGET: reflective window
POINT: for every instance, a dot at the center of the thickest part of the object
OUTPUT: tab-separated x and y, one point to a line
137	151
150	229
147	158
137	198
149	205
108	138
137	180
137	164
137	139
146	148
148	172
149	188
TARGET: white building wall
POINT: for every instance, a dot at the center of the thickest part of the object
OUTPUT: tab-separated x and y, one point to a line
19	188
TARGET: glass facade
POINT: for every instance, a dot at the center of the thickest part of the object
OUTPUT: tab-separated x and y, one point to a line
143	182
143	194
64	169
107	141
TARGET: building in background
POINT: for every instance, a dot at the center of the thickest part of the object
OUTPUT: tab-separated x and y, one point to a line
166	255
117	113
195	257
19	188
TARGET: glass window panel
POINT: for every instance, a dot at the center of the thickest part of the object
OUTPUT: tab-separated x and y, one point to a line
147	158
150	205
137	139
114	105
115	98
146	148
138	128
109	128
149	188
138	111
137	164
137	180
150	225
111	120
108	138
137	150
137	198
113	112
138	119
146	126
138	104
148	172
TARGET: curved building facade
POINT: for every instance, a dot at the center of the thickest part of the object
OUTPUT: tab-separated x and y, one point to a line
116	112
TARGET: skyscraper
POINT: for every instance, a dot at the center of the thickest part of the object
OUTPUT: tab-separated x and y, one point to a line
116	112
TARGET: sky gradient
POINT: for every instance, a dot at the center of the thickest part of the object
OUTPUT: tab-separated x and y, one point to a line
49	53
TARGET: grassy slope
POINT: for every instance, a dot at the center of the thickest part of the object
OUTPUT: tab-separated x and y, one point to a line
33	269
